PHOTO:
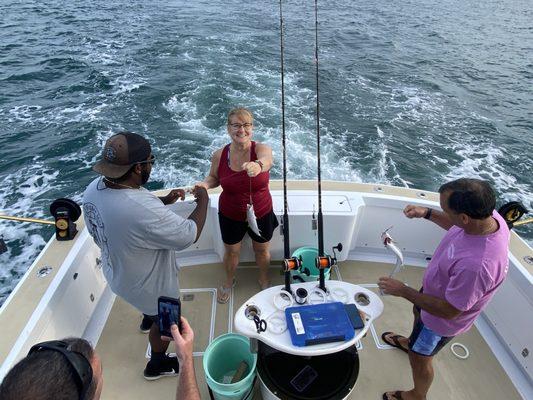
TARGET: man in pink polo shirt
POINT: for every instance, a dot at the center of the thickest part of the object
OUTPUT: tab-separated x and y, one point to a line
468	266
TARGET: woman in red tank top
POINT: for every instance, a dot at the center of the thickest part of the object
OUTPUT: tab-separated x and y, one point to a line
242	169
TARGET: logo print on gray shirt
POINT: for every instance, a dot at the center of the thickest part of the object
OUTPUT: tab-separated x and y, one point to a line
95	226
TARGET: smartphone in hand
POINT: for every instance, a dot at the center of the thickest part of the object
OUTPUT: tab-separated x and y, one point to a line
169	312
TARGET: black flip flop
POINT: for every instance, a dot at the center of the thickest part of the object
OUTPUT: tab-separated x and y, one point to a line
397	395
395	341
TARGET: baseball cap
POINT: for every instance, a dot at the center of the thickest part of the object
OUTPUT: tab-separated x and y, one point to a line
121	152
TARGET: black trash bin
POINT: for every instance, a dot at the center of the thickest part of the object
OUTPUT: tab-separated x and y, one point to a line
290	377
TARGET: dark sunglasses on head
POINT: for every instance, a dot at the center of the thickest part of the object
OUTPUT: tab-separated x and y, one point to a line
151	160
80	366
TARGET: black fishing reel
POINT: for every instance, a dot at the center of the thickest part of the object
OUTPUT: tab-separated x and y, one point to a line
339	249
66	212
512	212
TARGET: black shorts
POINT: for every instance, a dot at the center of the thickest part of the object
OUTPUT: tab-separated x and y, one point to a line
233	231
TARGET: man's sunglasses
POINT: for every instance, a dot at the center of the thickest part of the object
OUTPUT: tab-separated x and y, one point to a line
80	366
151	160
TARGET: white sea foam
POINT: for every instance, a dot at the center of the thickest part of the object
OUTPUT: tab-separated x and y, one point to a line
386	167
415	104
127	83
20	191
103	52
182	108
80	113
24	113
484	161
29	115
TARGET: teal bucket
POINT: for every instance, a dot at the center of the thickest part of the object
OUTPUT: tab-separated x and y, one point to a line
222	359
308	255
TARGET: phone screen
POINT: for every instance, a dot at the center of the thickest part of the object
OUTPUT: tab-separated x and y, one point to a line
304	378
355	317
169	311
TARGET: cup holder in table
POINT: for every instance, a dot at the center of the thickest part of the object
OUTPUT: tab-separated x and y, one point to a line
362	299
251	311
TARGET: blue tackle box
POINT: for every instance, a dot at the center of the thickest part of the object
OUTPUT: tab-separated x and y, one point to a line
318	323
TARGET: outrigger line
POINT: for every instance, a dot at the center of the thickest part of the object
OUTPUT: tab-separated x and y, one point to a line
289	263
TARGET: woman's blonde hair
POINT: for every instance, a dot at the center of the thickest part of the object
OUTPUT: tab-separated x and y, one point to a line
240	112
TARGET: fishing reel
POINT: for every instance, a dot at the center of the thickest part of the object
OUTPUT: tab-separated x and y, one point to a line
324	262
66	212
512	212
288	265
292	264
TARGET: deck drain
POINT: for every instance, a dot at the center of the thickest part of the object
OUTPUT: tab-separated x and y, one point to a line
529	260
42	272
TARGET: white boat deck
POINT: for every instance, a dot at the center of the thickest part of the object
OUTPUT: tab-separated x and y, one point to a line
74	300
122	346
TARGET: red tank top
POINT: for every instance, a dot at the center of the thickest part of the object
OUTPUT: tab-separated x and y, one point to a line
236	189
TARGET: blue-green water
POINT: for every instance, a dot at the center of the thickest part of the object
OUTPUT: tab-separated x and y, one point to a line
413	93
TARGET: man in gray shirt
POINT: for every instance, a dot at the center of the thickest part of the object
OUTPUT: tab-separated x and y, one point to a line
138	234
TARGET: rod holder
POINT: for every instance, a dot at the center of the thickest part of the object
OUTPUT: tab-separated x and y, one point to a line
321	264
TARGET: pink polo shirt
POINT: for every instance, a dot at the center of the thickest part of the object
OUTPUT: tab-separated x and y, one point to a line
466	270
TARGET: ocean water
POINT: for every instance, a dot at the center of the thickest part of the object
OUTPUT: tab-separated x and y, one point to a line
412	94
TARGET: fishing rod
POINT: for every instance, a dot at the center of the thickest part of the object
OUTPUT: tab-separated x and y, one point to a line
24	219
321	262
526	221
289	263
